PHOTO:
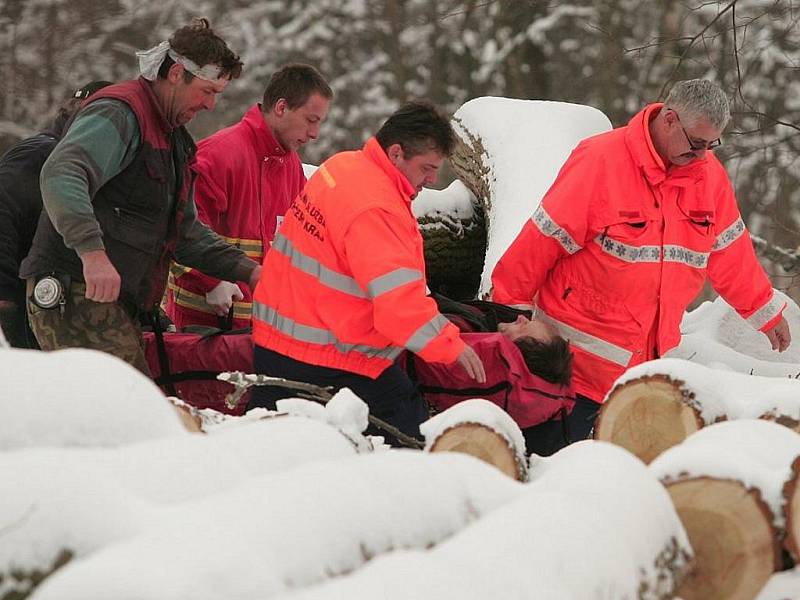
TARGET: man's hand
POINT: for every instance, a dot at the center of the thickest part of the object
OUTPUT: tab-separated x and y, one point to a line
222	297
102	279
472	364
254	278
779	336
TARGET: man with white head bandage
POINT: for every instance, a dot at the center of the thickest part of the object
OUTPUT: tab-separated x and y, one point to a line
117	193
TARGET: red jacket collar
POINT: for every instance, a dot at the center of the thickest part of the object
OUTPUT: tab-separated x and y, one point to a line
640	145
263	139
372	150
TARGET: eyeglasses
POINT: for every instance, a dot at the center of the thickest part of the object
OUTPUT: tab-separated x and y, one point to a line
694	146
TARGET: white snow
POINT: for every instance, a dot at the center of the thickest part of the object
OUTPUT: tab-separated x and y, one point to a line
722	393
526	142
758	453
78	398
453	202
571	535
290	530
782	586
714	333
82	499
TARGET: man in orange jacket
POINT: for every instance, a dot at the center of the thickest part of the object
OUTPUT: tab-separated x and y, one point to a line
247	176
343	287
623	241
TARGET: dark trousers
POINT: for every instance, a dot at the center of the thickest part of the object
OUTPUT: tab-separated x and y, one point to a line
549	437
391	397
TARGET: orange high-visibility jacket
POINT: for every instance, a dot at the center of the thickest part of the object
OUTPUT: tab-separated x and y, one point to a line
620	246
343	285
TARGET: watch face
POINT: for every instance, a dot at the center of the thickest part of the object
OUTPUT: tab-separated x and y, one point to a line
47	292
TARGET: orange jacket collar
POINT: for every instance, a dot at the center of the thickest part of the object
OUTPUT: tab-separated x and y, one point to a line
372	150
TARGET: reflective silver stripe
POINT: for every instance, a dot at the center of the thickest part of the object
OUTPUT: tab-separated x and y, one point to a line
313	267
316	335
392	280
628	253
679	254
766	313
551	229
425	334
652	254
529	307
730	235
589	343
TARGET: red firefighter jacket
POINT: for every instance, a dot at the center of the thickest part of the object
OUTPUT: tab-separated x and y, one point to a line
343	284
620	246
245	183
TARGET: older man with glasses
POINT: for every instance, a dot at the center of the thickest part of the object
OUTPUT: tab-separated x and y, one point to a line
623	241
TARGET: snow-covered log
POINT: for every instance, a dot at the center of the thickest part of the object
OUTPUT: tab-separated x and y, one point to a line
70	502
454	236
592	524
291	530
78	397
481	429
656	405
509	153
728	482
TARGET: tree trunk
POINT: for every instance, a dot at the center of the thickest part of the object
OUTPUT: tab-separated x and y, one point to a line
656	405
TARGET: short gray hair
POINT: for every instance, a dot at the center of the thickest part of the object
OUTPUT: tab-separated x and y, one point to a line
697	99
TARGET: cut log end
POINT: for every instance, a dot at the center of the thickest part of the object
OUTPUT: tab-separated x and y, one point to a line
483	443
791	494
190	420
730	529
647	416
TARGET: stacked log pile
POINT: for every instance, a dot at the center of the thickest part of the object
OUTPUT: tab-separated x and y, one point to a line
580	537
656	405
734	486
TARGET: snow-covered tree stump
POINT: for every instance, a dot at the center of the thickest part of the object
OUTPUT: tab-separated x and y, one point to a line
728	483
481	429
656	405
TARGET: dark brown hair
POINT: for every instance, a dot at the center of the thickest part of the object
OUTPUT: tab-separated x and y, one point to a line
552	361
198	42
418	127
295	83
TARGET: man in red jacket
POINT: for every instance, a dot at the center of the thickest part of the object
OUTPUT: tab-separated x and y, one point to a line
623	241
343	291
247	176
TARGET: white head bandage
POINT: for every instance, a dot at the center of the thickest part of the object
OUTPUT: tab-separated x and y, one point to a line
150	61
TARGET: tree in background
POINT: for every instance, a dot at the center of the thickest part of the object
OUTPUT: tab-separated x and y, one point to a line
616	55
